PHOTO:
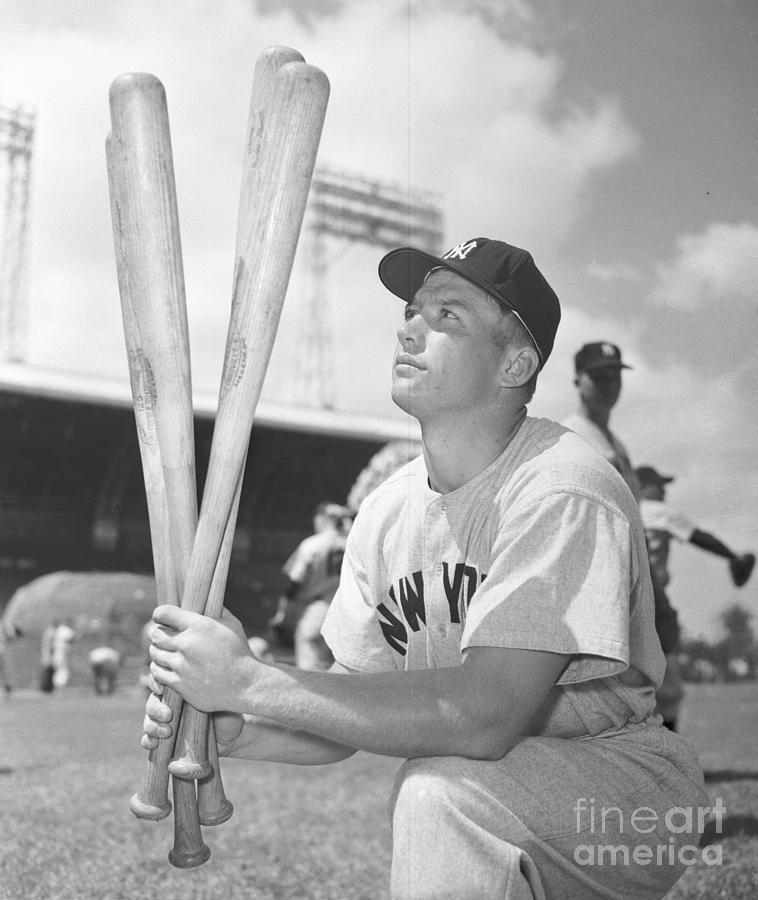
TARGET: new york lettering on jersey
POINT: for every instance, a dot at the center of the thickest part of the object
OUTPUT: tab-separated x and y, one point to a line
410	602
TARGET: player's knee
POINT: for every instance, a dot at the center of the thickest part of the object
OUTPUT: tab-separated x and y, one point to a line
426	786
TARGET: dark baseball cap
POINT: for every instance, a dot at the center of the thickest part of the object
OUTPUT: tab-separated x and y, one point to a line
600	355
507	273
649	475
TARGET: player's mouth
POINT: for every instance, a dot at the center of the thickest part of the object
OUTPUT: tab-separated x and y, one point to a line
405	361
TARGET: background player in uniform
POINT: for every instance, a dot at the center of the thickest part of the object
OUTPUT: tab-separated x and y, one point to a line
104	662
597	368
662	523
493	626
597	378
313	573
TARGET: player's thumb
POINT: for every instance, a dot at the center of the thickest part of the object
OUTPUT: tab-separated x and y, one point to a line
228	727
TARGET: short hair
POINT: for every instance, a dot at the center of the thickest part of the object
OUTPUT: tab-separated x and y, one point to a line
513	331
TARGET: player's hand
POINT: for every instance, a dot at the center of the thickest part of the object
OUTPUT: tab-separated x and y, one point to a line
741	568
228	727
157	723
206	660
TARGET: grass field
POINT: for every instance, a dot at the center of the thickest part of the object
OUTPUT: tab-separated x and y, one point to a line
69	762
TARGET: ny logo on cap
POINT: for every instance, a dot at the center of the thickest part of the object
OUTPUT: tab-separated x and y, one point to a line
609	350
460	251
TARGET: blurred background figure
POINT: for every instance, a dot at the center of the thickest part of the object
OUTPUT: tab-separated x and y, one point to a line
47	668
7	633
662	523
63	637
313	574
105	663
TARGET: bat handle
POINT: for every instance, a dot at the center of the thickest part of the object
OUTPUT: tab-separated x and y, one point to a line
189	849
151	801
212	803
194	732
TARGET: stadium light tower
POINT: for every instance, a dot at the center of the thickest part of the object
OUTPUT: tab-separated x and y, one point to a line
351	208
16	136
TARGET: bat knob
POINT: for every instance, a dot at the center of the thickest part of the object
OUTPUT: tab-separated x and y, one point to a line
188	859
189	769
217	816
154	811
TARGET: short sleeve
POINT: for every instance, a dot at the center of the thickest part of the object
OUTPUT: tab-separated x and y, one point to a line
659	516
351	629
560	580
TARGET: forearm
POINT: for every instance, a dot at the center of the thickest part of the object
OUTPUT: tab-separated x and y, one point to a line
268	741
432	712
706	541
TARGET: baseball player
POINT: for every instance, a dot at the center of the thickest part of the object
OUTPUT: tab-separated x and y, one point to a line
597	368
493	626
105	662
313	573
662	523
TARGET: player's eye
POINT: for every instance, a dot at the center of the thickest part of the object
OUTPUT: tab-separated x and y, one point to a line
447	313
410	312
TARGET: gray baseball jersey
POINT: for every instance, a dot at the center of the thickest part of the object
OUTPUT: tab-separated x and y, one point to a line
543	550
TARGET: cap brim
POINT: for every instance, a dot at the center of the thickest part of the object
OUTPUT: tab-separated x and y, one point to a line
403	271
593	367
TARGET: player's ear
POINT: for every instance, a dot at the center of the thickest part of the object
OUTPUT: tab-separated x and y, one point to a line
519	364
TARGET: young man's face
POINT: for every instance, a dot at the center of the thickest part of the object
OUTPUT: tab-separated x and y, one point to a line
600	388
448	356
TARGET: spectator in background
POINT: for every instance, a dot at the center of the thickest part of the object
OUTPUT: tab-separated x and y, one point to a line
662	523
105	663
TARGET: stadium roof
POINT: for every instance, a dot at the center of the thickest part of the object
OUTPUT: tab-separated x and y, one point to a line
37	381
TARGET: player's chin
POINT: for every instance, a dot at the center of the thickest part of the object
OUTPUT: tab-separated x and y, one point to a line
404	395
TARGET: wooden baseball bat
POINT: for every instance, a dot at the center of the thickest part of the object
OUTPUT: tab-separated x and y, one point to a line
152	800
151	285
193	737
291	120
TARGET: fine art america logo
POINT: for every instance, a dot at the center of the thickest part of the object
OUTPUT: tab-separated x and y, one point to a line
644	837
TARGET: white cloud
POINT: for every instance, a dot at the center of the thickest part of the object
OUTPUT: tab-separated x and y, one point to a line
439	102
720	263
608	273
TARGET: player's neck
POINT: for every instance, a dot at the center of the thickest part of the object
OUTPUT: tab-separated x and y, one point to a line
600	417
457	451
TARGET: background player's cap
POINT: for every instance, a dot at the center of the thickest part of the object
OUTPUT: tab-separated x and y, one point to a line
599	355
649	475
507	273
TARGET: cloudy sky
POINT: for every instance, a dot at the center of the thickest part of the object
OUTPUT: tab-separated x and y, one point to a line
616	140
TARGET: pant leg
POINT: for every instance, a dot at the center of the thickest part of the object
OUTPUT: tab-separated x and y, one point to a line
562	819
452	841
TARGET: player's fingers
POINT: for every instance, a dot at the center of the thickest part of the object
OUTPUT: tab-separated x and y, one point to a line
162	675
162	636
165	658
174	617
157	710
147	742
